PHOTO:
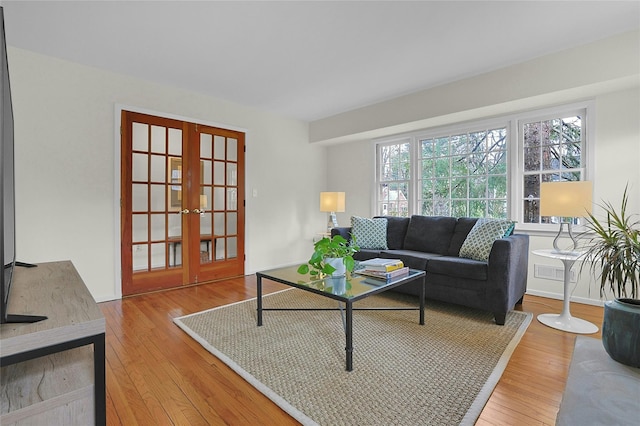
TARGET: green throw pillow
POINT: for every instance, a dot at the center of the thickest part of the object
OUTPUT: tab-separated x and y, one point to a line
369	234
478	243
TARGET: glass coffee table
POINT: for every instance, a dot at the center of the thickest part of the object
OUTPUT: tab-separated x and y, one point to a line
345	290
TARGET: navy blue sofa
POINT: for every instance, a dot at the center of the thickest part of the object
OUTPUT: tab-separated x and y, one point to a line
432	244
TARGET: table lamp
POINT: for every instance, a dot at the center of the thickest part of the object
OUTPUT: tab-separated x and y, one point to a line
332	202
562	200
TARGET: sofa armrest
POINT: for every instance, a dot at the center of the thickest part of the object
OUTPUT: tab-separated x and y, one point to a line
343	231
507	272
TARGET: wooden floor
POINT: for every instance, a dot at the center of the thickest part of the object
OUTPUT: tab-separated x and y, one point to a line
157	374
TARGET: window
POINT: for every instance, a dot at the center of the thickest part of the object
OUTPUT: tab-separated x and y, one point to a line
464	174
394	171
484	169
552	152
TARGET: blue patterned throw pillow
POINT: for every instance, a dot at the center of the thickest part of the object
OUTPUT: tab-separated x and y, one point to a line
369	233
478	243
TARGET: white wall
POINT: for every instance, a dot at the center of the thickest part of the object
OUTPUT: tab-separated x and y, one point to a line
66	167
65	138
614	88
587	70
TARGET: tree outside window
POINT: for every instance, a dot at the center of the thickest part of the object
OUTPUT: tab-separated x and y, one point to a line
552	153
473	172
394	173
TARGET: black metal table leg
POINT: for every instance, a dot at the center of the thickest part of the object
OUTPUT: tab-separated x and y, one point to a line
259	298
422	296
349	346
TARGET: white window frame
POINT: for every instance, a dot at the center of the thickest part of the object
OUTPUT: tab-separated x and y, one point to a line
515	154
400	139
587	110
461	128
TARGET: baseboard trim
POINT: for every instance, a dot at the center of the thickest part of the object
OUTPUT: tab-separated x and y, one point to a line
549	295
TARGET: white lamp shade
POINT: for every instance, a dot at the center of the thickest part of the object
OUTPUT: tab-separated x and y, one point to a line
332	202
566	199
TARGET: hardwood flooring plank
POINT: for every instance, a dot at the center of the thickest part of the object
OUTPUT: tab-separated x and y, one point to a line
157	374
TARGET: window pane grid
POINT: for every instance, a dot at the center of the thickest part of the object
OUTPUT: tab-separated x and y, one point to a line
552	153
487	170
464	174
394	173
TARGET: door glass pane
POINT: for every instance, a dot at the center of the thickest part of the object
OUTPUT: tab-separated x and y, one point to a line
232	149
205	251
218	198
232	223
158	139
205	198
140	137
158	253
157	227
232	174
175	142
232	199
140	168
218	224
157	198
206	147
232	248
205	224
218	148
139	198
206	172
140	257
175	252
218	173
175	225
158	171
175	189
219	247
140	231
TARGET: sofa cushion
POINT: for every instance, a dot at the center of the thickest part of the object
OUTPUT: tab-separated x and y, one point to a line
365	254
431	234
396	231
369	233
410	258
458	267
460	232
478	243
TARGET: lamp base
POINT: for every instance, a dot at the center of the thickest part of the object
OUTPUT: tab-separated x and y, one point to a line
333	221
558	250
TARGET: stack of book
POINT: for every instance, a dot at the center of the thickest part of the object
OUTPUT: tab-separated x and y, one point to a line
383	269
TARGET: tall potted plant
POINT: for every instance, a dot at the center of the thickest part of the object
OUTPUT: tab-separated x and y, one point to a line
613	255
331	256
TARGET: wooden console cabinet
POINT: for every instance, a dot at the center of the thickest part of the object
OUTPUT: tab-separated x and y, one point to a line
53	371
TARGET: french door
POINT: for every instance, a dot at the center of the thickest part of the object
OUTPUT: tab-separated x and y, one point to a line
182	203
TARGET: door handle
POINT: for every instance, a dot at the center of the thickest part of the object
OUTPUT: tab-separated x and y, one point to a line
185	211
197	211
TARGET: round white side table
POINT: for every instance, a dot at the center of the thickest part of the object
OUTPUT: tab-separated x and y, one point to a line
564	321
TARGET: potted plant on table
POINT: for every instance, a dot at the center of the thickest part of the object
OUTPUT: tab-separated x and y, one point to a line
613	255
331	256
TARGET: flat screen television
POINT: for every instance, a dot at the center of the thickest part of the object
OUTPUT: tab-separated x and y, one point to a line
7	186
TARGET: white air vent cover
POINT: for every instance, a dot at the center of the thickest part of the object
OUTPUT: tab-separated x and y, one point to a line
555	273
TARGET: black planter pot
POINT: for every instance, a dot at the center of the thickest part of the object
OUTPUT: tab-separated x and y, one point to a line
621	330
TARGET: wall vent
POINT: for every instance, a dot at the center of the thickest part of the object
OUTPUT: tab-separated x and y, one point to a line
555	273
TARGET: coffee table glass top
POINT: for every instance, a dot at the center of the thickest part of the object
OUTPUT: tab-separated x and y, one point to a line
351	287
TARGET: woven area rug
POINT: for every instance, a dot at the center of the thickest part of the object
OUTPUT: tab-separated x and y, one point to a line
403	373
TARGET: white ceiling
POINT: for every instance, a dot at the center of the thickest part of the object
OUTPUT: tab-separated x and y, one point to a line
309	59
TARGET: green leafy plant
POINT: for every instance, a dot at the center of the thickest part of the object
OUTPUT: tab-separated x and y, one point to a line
613	250
336	247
